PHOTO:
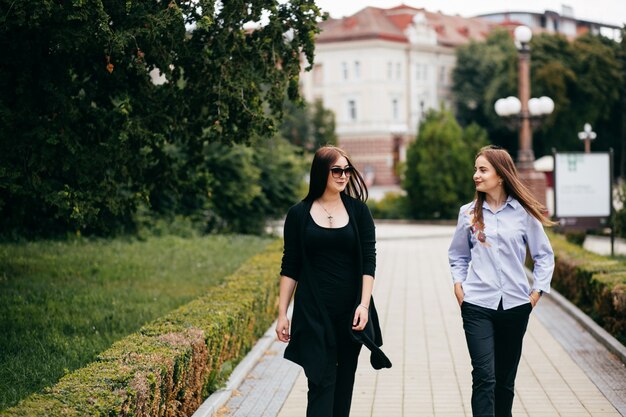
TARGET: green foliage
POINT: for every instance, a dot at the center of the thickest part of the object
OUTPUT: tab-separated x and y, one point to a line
296	124
323	123
62	303
586	78
486	71
88	138
439	166
619	222
237	181
576	237
171	364
253	184
581	77
596	284
282	177
391	206
308	126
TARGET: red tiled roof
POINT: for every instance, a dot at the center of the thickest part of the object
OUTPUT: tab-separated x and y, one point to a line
390	24
457	30
369	23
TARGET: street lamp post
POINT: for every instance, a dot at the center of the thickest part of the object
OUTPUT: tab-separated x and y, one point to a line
525	156
527	113
587	135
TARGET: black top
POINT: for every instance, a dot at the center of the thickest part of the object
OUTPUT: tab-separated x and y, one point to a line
311	329
331	253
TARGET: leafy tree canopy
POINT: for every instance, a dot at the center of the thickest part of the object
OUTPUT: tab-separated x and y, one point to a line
309	126
110	105
585	78
439	166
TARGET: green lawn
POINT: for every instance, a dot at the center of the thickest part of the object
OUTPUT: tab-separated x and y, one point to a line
61	303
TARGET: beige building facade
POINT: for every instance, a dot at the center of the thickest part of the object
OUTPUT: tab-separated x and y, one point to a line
379	71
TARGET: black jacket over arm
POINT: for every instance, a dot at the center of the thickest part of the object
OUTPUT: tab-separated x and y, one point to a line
311	330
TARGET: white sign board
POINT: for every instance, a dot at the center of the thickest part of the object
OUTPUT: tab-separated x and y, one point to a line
582	184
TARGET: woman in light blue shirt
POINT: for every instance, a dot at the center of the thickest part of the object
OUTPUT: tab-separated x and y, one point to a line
486	257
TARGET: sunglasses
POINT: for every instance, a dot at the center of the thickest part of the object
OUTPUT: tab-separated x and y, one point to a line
338	172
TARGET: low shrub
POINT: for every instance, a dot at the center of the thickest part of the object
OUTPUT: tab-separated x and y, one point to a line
64	302
171	364
391	206
576	237
596	284
609	302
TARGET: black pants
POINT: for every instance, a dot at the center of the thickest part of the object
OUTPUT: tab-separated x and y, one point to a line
333	396
494	339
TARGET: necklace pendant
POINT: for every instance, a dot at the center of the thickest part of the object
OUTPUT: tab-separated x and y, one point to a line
330	220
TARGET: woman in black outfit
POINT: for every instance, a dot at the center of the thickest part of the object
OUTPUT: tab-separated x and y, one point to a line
330	256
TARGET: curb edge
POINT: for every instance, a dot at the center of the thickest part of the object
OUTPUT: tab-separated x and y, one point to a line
215	401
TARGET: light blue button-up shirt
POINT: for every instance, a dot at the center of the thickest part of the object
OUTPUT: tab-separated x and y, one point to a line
490	263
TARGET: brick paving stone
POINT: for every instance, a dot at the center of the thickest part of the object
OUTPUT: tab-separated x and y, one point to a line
600	366
560	374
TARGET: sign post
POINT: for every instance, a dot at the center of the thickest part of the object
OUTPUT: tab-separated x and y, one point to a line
583	190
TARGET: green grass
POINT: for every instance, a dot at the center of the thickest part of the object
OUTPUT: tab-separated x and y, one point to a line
61	303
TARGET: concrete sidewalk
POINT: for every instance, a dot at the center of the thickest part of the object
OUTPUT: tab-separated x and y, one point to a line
563	372
602	245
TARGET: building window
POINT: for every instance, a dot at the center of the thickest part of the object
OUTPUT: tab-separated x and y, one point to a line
395	109
352	110
421	72
398	71
357	69
389	70
442	75
344	70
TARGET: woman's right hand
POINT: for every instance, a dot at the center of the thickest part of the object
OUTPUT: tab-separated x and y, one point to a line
282	329
458	292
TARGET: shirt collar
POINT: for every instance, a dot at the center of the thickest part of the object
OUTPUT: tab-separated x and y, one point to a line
509	201
512	202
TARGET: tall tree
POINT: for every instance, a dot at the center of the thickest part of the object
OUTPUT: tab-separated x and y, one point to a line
486	71
308	125
583	77
107	105
323	121
439	166
621	109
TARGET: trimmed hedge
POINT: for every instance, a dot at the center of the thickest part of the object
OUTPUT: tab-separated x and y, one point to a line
596	284
169	366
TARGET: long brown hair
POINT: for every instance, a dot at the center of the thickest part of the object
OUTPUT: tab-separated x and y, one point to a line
324	158
513	186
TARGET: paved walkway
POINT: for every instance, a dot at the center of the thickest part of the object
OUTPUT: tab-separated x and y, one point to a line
563	372
602	245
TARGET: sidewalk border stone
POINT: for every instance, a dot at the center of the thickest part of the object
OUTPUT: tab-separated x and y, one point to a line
605	338
219	398
601	335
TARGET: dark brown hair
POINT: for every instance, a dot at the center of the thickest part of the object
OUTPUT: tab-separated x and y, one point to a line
323	160
513	186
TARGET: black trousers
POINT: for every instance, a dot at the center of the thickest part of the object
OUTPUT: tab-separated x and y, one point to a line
494	339
333	396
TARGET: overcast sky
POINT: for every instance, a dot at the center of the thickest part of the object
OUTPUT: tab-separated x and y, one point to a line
603	11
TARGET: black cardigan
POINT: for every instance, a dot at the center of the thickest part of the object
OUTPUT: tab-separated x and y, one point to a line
311	330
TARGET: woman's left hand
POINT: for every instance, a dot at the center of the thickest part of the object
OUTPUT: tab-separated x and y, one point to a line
360	318
534	300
